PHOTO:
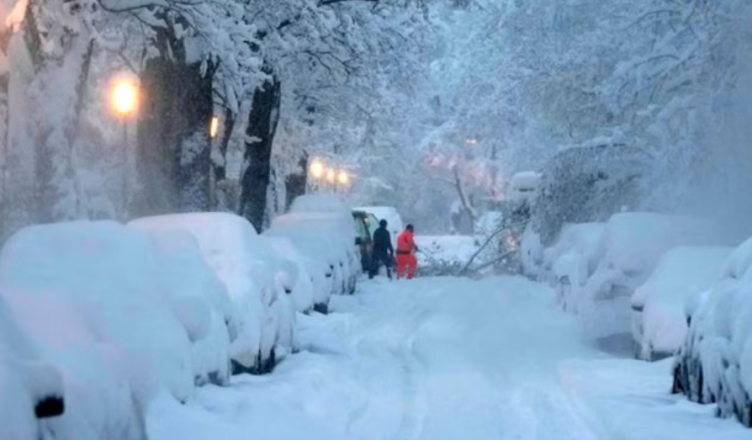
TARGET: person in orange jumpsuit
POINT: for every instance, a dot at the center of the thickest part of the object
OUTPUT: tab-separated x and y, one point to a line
406	249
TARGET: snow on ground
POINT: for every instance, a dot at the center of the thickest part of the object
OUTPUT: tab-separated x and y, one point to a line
444	358
629	401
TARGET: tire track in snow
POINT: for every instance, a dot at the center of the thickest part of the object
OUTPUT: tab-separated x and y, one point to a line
413	397
394	338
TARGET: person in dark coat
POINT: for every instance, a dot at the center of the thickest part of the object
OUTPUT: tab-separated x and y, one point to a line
383	252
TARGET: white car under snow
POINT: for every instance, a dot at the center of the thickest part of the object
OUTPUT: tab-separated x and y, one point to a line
627	252
659	322
261	327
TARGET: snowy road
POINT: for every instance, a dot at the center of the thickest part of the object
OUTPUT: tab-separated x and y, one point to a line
432	359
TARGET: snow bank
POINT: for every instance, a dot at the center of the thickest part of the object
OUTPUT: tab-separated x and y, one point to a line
628	250
568	264
659	323
714	364
246	265
95	300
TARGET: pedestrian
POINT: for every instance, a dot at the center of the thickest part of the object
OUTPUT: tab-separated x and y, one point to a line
406	249
383	252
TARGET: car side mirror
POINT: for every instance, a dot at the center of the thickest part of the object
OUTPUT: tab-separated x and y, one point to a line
358	241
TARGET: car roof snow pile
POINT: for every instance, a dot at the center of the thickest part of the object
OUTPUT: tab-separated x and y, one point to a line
103	304
715	362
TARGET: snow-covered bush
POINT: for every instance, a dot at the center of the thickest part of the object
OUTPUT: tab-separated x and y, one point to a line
714	365
246	265
568	264
627	252
586	184
659	323
97	301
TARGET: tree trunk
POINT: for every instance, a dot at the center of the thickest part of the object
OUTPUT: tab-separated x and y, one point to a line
174	147
262	125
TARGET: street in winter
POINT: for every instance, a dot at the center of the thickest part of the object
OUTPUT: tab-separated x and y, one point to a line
375	220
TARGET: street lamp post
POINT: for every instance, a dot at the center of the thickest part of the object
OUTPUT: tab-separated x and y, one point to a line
331	177
124	99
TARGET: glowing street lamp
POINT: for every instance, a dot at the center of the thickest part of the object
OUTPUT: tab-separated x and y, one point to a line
124	97
343	178
331	176
317	169
214	127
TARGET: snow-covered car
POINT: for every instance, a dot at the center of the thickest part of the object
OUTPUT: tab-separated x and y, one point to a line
364	228
523	186
247	266
659	323
30	387
201	303
327	241
97	301
388	213
297	278
628	250
569	263
715	359
330	215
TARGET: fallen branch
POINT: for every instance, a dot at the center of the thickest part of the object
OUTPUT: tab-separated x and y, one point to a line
480	249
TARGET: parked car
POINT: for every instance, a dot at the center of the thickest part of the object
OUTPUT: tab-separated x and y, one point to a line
363	222
248	268
31	388
112	292
628	251
569	263
329	215
391	215
659	324
715	359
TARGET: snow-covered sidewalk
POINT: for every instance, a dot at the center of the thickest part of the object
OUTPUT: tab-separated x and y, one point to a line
443	358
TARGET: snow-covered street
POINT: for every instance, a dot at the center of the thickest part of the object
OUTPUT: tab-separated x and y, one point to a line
444	358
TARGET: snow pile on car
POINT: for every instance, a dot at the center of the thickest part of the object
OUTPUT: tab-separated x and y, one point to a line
29	386
328	242
105	306
714	364
248	268
628	250
659	323
568	264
